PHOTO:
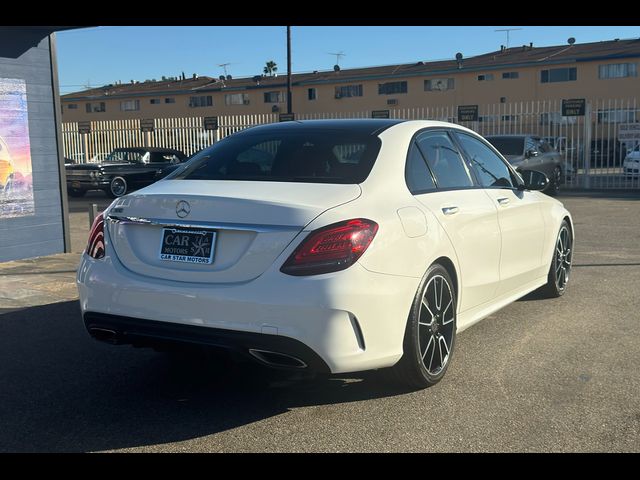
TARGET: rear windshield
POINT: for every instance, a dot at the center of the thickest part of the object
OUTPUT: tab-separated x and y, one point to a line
301	156
508	145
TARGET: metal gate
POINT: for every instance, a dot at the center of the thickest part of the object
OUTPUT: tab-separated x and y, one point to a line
594	145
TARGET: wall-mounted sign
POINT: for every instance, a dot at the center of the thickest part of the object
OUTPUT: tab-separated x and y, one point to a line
467	113
573	107
286	117
147	125
380	114
84	127
16	183
210	123
629	132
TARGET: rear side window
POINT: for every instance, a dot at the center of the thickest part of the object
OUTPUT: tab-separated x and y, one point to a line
163	157
417	173
313	156
444	160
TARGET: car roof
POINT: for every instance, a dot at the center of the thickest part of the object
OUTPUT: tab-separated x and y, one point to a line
364	126
147	149
512	135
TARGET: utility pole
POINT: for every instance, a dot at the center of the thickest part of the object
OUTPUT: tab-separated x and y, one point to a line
289	106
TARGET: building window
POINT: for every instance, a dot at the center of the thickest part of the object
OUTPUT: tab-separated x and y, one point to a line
311	94
391	88
510	118
487	118
272	97
508	75
130	105
617	116
485	77
439	84
555	118
559	75
618	70
154	101
96	107
169	100
236	99
72	106
201	101
349	91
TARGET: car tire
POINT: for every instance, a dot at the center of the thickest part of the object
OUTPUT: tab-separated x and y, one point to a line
117	187
428	349
554	182
558	276
76	193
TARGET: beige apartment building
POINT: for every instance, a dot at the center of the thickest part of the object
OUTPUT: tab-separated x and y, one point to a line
600	70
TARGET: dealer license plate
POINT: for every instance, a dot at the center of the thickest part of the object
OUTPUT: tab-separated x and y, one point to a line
188	245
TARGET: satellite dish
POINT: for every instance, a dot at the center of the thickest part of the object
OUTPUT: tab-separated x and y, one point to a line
336	68
571	41
458	56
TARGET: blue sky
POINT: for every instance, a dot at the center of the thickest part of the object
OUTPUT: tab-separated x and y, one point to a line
101	55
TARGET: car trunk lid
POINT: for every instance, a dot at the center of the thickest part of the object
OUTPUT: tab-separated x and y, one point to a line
253	223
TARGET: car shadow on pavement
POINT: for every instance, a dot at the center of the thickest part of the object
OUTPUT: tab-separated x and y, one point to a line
63	391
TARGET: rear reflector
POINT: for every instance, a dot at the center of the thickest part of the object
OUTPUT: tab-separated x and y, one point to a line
331	248
95	246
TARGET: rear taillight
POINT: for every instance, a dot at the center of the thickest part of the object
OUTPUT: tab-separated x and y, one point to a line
331	248
95	246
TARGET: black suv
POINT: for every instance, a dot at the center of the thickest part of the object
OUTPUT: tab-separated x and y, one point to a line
124	170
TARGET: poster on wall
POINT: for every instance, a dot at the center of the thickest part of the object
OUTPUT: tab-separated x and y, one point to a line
16	184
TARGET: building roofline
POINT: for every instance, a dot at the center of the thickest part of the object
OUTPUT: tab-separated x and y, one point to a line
555	55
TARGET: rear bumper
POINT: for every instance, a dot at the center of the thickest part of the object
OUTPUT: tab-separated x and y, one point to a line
117	330
351	320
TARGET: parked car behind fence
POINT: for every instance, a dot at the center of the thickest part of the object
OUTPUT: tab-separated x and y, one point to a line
124	170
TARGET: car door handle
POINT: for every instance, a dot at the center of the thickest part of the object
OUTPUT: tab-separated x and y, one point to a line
503	201
450	210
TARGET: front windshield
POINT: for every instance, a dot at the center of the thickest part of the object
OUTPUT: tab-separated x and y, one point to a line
508	145
127	156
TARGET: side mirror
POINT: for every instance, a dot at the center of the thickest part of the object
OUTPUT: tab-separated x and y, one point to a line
534	180
530	153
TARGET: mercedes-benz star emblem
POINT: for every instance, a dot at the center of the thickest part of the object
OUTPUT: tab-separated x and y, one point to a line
183	208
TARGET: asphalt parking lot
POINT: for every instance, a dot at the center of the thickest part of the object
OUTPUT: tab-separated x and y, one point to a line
555	375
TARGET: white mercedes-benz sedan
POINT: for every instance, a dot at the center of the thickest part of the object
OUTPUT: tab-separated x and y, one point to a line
333	246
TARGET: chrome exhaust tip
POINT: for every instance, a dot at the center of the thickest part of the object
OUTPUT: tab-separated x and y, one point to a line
104	335
276	359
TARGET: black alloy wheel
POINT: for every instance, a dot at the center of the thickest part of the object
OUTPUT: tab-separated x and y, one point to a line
431	331
560	269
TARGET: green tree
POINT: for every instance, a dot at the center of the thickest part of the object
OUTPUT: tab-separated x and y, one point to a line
270	68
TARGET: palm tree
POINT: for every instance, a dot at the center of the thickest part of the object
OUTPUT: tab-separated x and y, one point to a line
270	68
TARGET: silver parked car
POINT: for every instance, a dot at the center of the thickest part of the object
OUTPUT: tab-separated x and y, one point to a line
530	152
